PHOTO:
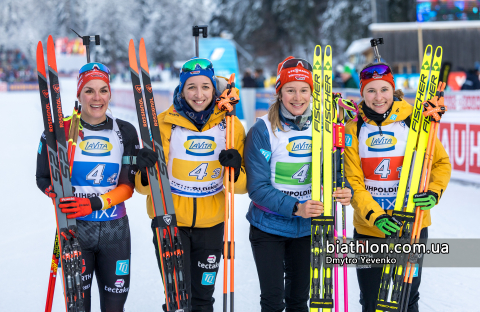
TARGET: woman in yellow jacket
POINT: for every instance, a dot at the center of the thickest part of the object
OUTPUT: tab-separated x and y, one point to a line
193	133
373	171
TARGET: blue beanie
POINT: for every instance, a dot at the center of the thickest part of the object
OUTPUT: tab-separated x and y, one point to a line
209	72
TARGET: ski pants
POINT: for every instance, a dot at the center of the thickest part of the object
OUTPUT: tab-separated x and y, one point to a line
369	280
106	252
283	267
202	251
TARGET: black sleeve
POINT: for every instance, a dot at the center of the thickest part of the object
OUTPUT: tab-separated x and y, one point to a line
43	171
131	146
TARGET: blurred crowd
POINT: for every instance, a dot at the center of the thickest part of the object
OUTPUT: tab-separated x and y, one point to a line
14	67
256	80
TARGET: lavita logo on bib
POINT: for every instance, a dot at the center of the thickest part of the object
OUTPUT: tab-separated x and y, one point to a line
96	146
300	146
200	145
383	142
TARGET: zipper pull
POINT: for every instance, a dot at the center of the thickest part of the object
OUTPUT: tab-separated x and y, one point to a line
380	128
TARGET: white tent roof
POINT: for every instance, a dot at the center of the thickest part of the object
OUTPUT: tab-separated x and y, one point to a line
358	46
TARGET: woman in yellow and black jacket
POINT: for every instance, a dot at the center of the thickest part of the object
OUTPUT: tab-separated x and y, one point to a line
373	157
193	132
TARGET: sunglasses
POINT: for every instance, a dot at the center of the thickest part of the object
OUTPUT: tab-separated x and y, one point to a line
375	71
94	66
294	63
196	64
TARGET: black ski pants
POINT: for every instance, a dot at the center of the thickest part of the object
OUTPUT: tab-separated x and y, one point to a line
369	280
106	252
283	267
202	249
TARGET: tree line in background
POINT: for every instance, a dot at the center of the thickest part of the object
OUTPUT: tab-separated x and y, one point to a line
269	30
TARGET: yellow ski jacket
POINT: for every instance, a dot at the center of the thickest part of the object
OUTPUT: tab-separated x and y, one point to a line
366	209
200	212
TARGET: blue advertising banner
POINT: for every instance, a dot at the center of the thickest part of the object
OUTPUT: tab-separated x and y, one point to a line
223	54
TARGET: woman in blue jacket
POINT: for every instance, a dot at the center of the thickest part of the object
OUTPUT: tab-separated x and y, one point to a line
278	160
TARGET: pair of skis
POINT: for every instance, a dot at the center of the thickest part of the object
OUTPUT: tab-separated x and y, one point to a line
328	135
69	253
168	238
397	278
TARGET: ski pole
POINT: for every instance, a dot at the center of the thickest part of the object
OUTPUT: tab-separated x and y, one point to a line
226	102
341	144
334	199
434	109
53	274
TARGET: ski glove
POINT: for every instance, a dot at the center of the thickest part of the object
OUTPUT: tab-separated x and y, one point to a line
146	158
79	207
387	224
425	200
231	158
50	192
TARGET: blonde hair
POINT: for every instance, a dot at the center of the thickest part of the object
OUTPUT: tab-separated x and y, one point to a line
274	115
399	94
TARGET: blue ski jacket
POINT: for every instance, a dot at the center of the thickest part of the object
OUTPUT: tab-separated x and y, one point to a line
280	220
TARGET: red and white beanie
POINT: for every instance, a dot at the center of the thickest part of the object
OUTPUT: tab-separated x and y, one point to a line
297	73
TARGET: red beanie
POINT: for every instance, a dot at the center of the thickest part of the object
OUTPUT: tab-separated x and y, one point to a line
93	74
387	77
297	73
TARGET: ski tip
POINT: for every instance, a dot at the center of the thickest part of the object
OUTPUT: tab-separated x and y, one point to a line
40	59
438	51
428	50
132	57
319	49
329	49
142	53
51	59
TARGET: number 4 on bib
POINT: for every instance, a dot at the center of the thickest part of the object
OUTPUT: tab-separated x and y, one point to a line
200	172
383	168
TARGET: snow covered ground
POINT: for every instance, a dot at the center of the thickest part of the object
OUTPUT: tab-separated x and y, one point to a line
27	229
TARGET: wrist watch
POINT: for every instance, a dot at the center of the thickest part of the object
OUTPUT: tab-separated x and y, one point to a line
295	209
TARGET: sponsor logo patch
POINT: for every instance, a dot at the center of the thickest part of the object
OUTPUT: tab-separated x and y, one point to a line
96	146
208	278
117	290
300	146
200	145
394	117
381	143
348	140
167	219
123	267
266	154
211	259
119	283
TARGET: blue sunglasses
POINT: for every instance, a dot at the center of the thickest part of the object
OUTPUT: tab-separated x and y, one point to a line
94	66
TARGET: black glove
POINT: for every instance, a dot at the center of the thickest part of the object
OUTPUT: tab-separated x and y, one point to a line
231	158
146	158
